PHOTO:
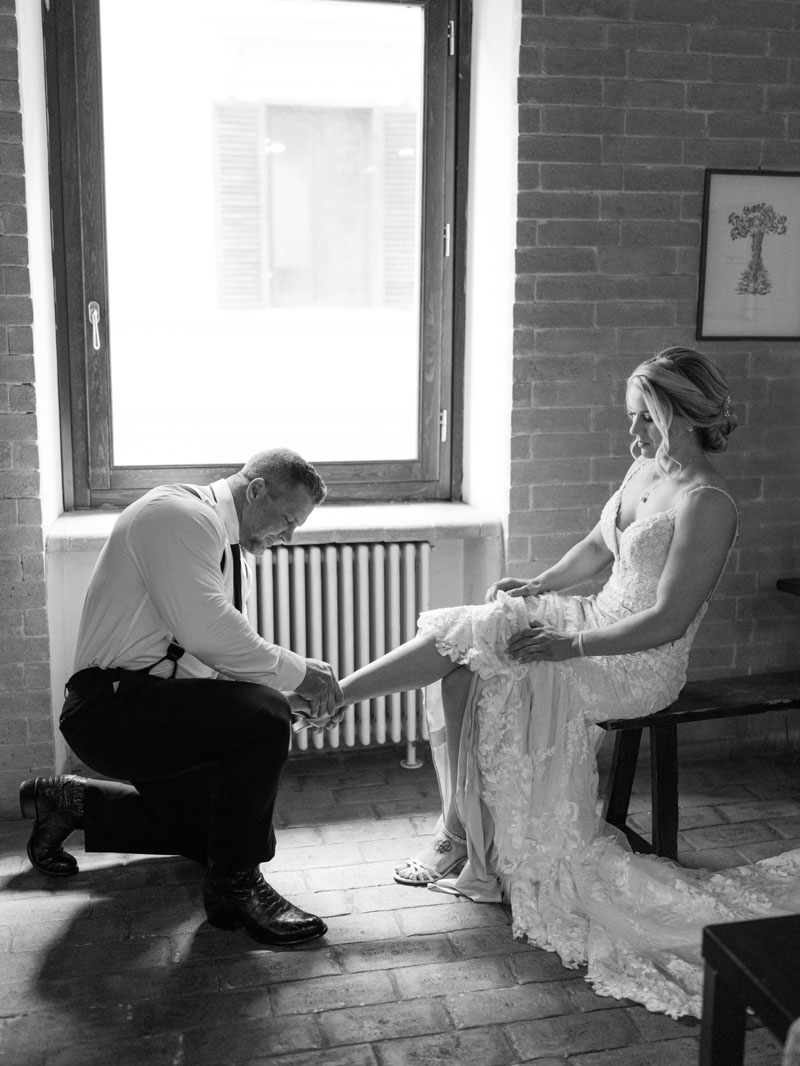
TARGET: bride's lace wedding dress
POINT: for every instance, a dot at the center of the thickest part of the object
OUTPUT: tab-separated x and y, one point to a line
527	787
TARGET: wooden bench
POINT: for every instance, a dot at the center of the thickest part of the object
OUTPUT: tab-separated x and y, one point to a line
753	965
728	697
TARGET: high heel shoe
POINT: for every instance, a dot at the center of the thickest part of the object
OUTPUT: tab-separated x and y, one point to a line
440	859
57	805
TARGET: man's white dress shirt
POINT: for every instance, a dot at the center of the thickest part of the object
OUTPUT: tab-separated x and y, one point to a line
160	578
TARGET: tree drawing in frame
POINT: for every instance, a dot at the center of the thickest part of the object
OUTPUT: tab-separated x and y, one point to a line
749	284
755	222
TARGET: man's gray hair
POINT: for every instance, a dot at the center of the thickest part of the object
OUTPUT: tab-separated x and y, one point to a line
285	468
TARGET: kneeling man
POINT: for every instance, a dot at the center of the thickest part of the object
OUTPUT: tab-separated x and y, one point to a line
176	693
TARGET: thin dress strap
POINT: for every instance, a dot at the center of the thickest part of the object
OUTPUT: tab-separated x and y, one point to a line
716	488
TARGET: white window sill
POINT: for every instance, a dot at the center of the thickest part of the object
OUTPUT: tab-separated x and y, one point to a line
80	531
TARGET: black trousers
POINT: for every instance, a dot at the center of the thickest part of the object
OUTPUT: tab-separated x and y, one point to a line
203	757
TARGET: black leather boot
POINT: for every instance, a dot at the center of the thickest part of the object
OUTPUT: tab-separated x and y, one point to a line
57	805
242	898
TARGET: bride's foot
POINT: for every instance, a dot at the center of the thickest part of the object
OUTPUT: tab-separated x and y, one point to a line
443	856
300	705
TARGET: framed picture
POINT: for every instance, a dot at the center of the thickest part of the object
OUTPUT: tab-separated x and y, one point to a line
750	256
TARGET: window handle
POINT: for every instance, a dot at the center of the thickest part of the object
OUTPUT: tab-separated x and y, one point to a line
94	318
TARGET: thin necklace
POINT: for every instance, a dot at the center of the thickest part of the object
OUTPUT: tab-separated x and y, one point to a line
646	494
667	477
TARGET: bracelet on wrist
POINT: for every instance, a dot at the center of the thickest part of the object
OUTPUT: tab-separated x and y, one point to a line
581	652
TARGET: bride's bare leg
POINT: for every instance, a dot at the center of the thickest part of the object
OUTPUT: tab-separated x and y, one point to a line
455	688
414	664
417	664
445	854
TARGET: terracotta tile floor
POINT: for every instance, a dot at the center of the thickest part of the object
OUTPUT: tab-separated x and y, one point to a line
117	965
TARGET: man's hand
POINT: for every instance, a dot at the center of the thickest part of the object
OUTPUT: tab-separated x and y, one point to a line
320	688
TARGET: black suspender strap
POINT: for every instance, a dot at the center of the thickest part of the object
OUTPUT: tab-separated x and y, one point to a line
236	552
174	652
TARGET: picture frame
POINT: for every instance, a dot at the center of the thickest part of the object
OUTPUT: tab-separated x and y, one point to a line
749	285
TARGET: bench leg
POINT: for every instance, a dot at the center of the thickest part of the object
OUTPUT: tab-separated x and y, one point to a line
620	778
723	1024
664	789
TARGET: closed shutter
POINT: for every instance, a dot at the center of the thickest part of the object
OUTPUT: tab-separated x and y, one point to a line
241	269
400	231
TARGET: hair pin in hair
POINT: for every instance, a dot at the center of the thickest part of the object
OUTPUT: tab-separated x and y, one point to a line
726	410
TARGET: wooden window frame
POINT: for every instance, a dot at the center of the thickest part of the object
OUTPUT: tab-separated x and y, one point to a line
74	105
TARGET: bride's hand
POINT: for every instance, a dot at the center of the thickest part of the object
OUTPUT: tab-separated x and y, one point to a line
541	643
514	586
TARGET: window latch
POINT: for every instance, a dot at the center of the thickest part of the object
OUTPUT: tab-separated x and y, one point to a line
94	318
443	425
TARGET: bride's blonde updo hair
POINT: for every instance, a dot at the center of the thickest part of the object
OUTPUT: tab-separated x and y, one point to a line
683	383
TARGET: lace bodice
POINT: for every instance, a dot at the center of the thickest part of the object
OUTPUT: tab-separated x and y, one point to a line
640	550
640	553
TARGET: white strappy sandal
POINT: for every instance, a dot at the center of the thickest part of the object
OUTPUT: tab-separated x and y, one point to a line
419	873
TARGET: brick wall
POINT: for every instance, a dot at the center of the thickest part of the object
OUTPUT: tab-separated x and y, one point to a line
622	105
26	730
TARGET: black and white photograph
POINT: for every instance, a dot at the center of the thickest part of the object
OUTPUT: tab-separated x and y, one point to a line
399	533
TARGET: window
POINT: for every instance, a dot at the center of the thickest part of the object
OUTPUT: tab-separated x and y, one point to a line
258	226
